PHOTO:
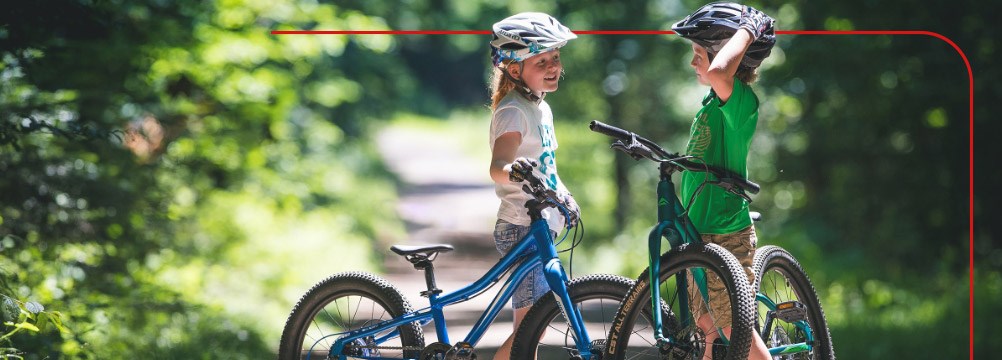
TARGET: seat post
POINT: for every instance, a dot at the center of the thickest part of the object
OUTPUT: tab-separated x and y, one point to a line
429	276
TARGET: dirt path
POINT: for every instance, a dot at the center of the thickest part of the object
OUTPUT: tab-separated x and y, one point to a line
447	197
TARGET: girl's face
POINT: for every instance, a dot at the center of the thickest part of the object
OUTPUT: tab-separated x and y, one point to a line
700	63
541	73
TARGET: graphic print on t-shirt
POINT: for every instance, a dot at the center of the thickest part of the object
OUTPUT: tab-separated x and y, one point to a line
700	137
548	160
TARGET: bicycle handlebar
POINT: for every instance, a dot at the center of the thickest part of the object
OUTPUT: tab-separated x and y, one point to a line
640	147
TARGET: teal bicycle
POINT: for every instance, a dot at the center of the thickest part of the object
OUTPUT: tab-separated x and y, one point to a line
677	279
787	316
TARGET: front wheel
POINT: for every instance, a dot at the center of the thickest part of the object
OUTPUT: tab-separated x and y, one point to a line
780	279
346	302
683	336
545	334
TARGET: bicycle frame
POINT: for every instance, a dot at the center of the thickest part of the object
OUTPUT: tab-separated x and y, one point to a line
553	271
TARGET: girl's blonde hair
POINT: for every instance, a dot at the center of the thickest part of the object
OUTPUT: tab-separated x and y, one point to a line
500	84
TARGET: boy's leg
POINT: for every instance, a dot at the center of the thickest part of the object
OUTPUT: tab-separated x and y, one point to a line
741	244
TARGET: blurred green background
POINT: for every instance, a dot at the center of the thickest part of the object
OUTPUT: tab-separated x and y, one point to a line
168	165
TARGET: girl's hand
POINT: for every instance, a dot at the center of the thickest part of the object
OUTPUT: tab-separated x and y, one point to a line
573	209
520	169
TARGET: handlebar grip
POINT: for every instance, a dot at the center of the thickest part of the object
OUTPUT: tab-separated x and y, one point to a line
602	128
736	179
751	187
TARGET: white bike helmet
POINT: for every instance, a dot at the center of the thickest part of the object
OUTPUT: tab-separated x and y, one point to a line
523	35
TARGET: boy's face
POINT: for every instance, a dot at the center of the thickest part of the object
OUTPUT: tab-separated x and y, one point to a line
541	73
700	63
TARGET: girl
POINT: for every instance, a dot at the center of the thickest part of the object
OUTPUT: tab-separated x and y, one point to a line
526	56
729	42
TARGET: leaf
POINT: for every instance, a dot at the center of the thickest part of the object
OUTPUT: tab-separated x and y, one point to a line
42	322
34	307
26	325
56	318
9	308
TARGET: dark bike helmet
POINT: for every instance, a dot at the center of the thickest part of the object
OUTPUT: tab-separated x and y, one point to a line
523	35
712	25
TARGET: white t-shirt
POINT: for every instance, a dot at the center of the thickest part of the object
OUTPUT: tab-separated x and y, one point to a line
534	121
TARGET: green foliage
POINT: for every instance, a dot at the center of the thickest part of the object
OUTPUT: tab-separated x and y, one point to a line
157	155
188	152
30	317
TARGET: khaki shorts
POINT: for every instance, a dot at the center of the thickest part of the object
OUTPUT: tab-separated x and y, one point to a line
742	245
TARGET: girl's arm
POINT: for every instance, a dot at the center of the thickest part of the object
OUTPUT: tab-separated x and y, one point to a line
505	147
725	64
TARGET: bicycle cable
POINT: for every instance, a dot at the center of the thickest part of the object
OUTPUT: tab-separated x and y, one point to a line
576	237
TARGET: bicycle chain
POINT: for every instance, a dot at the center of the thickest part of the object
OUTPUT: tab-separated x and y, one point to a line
416	348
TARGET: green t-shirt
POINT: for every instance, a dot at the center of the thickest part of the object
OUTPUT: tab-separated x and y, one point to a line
721	135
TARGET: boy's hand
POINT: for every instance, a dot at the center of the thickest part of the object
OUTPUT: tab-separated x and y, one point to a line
520	169
756	22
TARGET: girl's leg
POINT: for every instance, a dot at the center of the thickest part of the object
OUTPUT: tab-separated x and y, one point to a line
532	287
504	352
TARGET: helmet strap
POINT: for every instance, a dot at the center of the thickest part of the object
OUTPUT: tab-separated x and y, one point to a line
520	85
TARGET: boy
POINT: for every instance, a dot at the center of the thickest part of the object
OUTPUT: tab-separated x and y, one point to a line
729	42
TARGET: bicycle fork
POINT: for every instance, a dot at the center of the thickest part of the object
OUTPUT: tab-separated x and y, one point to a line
557	279
675	233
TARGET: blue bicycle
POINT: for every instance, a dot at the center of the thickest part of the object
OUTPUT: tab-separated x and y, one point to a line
361	316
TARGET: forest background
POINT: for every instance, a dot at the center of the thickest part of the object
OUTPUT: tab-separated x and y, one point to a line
155	155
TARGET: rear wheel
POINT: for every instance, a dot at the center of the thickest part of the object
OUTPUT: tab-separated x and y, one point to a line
779	277
346	302
633	337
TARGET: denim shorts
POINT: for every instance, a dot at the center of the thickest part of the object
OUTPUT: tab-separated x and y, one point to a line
534	285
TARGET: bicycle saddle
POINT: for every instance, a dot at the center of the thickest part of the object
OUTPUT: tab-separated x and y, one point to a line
430	249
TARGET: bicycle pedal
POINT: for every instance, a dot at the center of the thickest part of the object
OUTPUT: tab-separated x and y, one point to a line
461	351
791	311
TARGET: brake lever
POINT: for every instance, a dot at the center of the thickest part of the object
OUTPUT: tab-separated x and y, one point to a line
733	189
635	149
618	145
531	190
